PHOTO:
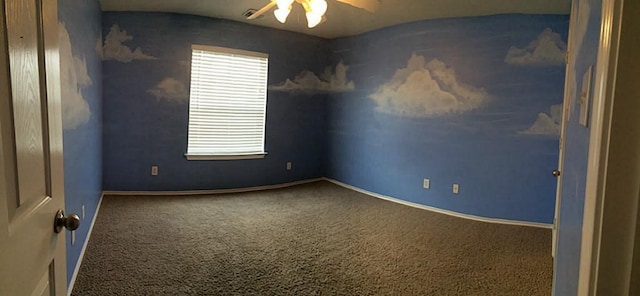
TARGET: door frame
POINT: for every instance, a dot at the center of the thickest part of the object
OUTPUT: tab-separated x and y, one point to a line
613	170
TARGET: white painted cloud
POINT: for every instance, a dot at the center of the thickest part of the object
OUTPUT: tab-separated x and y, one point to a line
338	81
427	89
171	90
547	124
73	78
114	48
547	50
309	82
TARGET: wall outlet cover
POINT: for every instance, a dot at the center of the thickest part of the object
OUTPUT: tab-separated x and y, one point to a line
154	170
426	183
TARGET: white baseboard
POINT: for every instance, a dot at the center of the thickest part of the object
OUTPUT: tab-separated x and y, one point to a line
441	211
392	199
213	191
84	248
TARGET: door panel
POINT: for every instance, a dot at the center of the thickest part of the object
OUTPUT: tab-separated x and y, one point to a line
44	286
31	181
23	35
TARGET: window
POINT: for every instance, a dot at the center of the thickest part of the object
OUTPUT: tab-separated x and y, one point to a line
227	103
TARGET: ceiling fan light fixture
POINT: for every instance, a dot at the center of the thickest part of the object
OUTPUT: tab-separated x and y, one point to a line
284	8
314	19
315	10
318	7
284	4
281	14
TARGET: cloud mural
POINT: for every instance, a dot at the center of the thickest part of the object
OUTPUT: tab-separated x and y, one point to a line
547	124
547	50
73	77
114	48
171	90
427	89
309	82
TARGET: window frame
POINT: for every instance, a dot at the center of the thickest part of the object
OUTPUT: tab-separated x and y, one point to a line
230	155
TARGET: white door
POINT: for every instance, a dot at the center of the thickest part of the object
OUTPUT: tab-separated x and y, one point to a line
567	104
32	255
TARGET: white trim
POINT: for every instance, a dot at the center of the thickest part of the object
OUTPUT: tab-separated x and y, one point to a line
229	50
84	248
225	157
213	191
441	211
592	221
388	198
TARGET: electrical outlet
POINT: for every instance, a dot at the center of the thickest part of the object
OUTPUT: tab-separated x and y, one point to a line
456	188
82	212
288	165
426	183
154	170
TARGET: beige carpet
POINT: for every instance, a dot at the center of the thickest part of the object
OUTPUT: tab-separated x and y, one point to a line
312	239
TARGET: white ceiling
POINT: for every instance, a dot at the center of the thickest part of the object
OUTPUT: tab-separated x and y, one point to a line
342	19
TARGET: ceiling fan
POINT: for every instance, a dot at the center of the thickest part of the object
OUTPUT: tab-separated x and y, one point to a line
314	9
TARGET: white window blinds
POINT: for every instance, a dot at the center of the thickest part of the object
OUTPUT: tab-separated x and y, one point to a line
227	103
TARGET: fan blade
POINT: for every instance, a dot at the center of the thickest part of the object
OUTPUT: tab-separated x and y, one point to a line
262	10
368	5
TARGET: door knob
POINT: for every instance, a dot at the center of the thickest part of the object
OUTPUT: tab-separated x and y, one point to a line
70	222
556	173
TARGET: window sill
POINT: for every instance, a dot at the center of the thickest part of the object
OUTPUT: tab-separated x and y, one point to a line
225	157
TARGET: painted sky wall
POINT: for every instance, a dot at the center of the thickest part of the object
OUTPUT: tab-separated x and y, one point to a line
81	77
491	123
472	101
146	74
585	35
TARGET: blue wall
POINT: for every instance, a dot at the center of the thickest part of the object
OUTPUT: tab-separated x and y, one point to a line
81	67
585	35
474	101
146	86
